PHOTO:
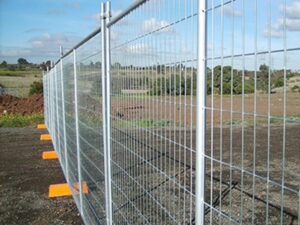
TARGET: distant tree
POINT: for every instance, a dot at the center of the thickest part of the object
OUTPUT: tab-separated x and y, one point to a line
48	63
3	64
263	78
22	61
98	65
279	82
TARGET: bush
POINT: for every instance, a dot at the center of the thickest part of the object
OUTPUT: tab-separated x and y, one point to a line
279	82
295	88
36	88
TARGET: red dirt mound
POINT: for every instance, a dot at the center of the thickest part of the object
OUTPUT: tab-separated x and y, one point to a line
24	106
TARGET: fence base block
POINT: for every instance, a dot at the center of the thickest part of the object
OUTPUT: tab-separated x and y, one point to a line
49	155
41	126
45	137
63	190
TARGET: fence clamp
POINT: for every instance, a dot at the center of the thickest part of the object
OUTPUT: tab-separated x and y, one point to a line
105	15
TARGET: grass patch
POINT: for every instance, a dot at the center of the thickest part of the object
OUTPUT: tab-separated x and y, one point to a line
273	121
144	123
18	120
19	73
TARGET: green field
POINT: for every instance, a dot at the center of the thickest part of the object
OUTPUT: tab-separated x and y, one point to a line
17	82
20	73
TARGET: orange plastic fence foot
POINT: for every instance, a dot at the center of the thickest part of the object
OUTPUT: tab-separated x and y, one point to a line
45	137
49	155
59	190
62	190
41	126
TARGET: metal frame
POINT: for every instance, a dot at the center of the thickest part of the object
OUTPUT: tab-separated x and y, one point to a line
201	111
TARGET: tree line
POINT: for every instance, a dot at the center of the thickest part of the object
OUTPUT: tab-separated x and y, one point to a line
23	64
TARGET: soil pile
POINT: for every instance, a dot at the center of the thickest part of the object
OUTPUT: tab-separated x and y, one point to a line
24	106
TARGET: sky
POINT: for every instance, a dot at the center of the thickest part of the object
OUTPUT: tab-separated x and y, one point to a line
34	29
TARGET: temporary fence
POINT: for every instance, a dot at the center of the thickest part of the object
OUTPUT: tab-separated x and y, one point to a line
182	112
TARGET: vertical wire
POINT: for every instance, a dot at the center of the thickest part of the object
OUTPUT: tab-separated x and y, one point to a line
221	110
243	111
231	110
169	109
254	121
269	112
163	91
185	126
284	113
194	7
173	100
178	119
212	114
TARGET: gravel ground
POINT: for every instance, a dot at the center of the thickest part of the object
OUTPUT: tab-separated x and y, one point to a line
24	182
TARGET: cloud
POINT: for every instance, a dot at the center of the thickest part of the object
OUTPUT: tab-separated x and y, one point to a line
228	10
42	47
162	26
291	22
14	52
139	48
45	40
293	10
72	5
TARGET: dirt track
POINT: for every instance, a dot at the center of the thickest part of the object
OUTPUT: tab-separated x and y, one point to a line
24	181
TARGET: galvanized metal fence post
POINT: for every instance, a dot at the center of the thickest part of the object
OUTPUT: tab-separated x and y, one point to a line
108	101
105	15
104	101
64	114
200	125
77	132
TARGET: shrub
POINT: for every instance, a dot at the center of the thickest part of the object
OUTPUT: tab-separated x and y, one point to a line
36	87
295	88
279	82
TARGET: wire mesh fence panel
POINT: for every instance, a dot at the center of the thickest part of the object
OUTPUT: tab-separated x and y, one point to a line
125	107
90	119
153	76
252	153
60	129
69	110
